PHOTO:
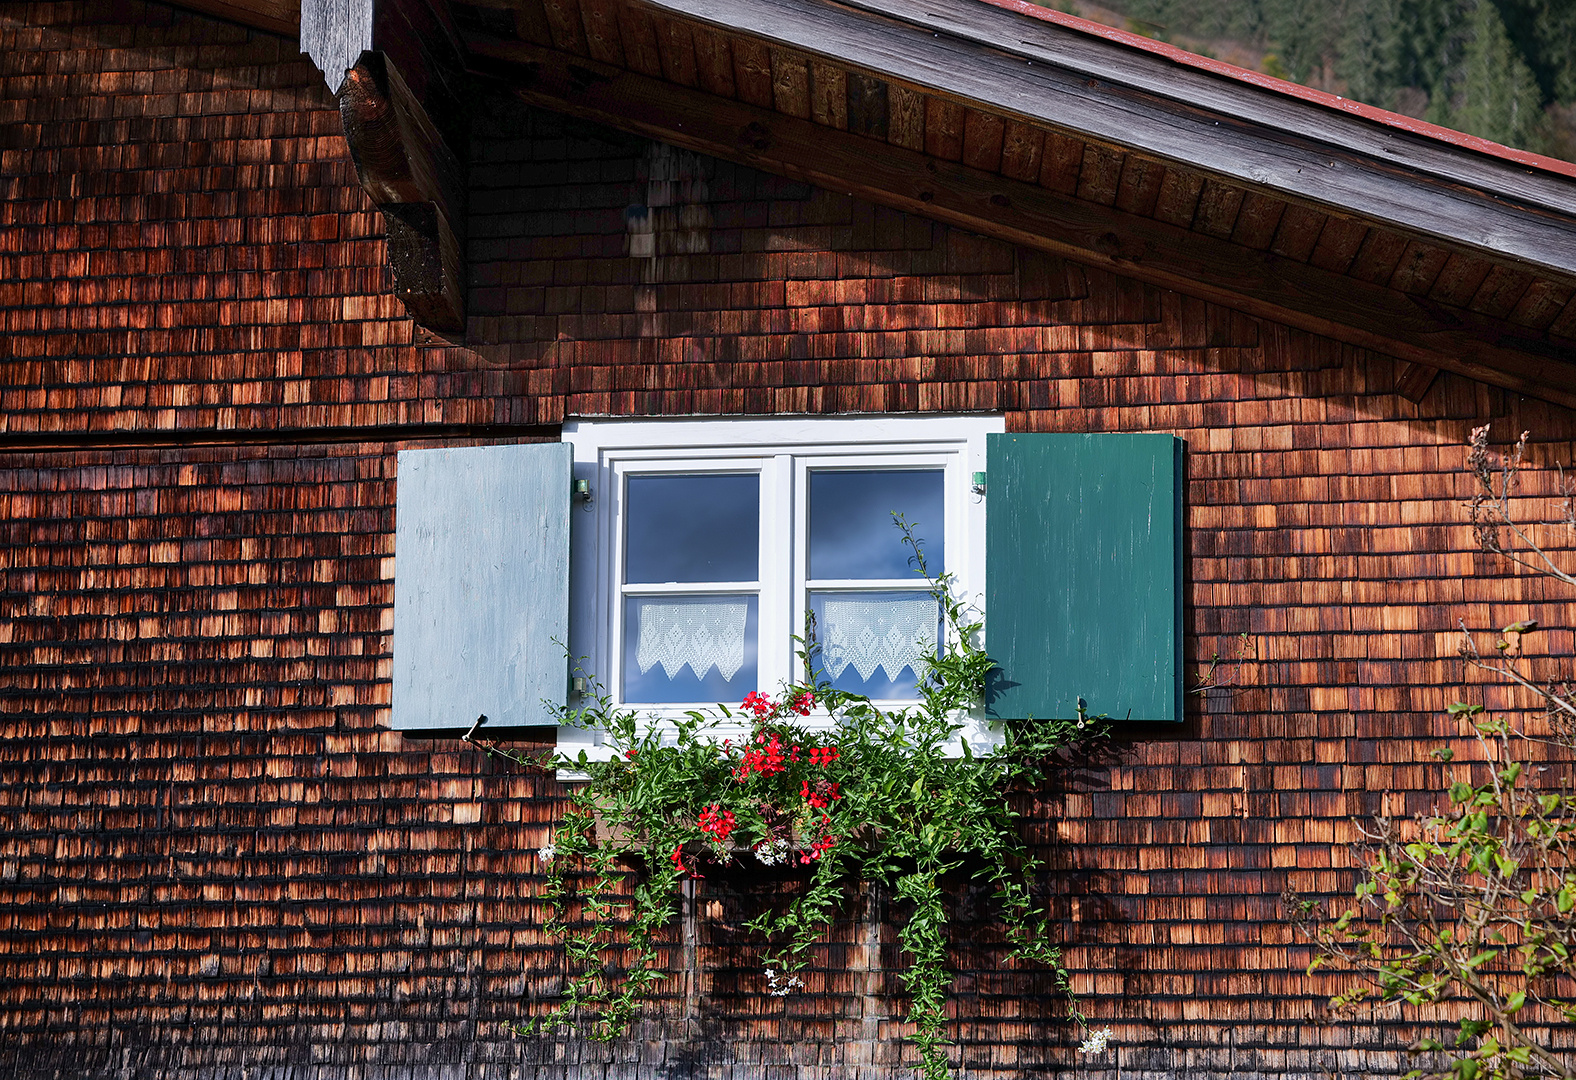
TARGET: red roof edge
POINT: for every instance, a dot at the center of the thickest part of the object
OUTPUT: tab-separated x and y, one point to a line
1281	86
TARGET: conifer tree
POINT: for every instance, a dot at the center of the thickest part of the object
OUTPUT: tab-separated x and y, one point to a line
1544	32
1372	52
1502	69
1303	35
1492	91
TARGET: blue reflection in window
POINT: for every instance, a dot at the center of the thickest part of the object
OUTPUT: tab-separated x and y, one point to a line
852	534
689	648
692	528
870	642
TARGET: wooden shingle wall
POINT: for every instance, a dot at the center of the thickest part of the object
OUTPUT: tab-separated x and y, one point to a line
214	858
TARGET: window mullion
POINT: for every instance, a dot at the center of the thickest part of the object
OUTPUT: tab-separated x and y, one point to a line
778	531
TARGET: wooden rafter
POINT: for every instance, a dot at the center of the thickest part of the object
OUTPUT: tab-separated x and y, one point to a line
276	16
1257	282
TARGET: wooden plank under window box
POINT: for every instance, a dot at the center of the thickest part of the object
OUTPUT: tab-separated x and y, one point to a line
742	854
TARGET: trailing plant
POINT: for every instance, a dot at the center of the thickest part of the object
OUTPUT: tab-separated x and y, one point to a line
1471	909
824	782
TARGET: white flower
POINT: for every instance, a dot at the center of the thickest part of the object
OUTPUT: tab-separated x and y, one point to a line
772	852
546	852
782	985
1095	1043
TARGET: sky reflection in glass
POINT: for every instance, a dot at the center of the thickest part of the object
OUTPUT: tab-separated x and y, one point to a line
692	528
852	534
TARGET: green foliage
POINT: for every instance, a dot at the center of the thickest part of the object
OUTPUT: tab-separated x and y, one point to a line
1491	91
1300	34
1474	904
1373	53
1489	67
880	795
1544	31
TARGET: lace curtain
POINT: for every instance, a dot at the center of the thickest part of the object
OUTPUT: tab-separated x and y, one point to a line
870	634
703	634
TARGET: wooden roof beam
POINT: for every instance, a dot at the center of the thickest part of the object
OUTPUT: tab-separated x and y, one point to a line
281	17
409	171
1256	282
1029	69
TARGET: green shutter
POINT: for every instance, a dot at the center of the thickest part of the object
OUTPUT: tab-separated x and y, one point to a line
481	586
1083	577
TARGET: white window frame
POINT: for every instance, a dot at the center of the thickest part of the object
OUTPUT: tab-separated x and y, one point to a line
784	449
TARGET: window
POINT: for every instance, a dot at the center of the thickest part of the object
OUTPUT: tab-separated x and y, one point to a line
703	549
682	558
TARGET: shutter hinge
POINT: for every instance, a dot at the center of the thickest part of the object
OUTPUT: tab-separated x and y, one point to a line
979	484
582	491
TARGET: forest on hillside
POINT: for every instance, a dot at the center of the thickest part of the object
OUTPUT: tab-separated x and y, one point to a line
1502	69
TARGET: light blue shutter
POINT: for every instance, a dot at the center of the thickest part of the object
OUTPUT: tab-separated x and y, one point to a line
481	586
1083	581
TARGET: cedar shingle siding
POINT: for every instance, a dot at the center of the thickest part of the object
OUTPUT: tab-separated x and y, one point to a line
216	861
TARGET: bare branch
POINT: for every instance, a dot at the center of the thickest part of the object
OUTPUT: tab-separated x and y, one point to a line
1470	911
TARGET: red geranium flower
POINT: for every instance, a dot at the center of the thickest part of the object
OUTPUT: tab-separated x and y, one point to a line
824	844
766	758
717	823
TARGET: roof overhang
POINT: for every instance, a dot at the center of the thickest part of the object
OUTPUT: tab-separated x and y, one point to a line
1041	129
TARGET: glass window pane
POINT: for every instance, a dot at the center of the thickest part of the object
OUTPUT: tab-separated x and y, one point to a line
869	642
692	528
852	533
689	648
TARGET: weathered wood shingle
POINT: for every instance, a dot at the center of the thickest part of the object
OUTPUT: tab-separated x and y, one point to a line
217	860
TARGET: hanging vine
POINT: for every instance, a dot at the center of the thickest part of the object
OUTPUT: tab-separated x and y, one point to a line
868	793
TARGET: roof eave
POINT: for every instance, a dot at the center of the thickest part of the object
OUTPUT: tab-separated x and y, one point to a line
1114	93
